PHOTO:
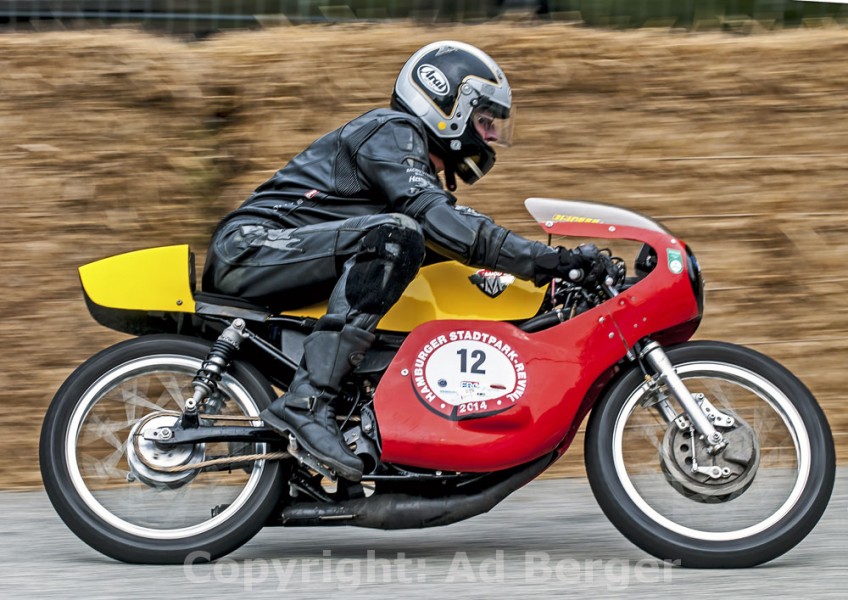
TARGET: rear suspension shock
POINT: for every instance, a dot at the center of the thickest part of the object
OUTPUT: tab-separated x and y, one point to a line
206	380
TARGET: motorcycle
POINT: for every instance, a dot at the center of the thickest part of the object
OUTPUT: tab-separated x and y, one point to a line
702	452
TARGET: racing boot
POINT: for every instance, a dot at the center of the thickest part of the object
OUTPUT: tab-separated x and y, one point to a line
306	410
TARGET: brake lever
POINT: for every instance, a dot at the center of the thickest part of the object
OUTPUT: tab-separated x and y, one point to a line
608	284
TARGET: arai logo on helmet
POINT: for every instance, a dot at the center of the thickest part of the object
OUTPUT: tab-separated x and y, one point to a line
433	79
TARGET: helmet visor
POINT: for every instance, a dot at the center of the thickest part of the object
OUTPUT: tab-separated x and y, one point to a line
494	129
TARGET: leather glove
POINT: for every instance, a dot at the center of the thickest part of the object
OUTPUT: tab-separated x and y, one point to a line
584	264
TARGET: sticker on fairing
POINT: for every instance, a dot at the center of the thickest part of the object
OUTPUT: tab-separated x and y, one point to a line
675	261
466	374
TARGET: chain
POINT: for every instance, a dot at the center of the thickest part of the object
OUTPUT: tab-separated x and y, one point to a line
224	460
204	416
228	417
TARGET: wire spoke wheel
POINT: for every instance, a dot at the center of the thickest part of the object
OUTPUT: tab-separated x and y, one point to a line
664	488
109	482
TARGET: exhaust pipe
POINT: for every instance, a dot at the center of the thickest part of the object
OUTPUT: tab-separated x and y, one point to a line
404	511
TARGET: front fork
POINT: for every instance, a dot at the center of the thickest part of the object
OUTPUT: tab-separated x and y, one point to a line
656	357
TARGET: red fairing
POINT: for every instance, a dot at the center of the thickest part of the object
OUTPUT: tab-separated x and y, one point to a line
480	396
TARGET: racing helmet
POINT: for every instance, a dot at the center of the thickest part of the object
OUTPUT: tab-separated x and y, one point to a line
458	91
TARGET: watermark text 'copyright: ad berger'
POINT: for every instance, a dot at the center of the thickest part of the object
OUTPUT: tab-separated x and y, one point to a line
529	567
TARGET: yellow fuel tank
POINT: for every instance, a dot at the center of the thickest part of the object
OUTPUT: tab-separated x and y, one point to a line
446	291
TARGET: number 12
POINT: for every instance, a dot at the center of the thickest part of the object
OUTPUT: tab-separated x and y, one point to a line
478	356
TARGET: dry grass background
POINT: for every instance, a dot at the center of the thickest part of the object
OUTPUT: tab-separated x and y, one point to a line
116	140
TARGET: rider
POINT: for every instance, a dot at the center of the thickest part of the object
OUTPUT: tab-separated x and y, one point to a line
350	217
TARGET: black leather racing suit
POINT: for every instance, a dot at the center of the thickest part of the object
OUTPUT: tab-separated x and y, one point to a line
348	219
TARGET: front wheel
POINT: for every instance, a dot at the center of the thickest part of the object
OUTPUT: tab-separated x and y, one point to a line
663	488
137	501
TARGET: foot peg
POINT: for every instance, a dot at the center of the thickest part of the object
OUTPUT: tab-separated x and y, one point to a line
305	458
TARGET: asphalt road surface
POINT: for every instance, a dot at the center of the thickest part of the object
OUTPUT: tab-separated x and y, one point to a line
548	539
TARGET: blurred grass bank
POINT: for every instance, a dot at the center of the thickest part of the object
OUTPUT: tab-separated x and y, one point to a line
115	140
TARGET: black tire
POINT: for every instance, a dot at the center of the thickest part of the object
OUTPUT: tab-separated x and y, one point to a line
128	519
768	517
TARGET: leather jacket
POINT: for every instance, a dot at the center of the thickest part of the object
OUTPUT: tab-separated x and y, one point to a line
379	163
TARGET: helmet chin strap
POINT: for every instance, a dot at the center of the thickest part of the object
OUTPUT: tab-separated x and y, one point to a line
450	178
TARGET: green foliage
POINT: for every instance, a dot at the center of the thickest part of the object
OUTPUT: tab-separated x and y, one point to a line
700	14
202	17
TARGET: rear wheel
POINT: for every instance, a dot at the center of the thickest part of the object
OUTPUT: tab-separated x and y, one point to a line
130	498
749	503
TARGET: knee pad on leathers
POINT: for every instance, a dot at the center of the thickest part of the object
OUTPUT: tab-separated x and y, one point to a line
387	261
